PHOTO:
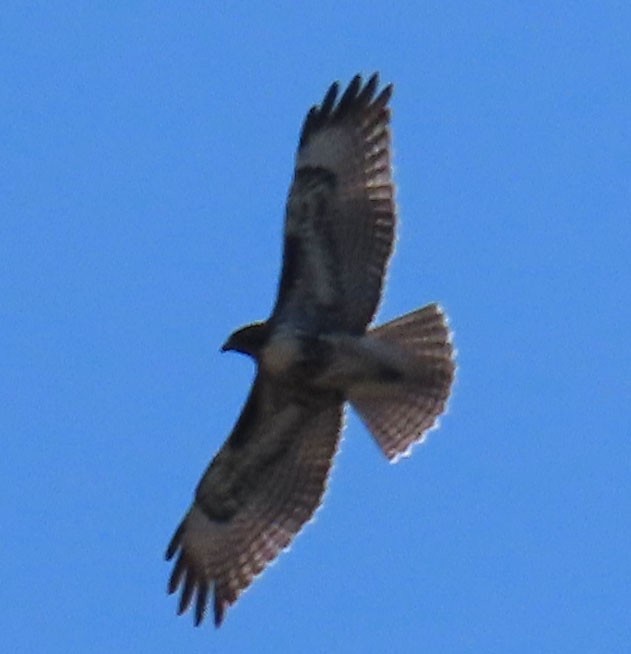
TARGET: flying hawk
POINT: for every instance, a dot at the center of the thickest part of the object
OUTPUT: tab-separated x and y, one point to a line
313	355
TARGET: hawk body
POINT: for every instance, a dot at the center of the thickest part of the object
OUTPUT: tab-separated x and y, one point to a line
314	354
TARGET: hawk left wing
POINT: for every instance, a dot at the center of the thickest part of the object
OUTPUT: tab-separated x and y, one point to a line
264	484
340	219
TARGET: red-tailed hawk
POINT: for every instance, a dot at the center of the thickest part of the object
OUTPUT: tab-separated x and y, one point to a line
314	354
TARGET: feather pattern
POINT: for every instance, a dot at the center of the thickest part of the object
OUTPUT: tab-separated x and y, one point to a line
254	498
340	221
399	413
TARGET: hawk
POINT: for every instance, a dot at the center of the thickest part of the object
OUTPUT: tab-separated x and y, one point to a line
314	354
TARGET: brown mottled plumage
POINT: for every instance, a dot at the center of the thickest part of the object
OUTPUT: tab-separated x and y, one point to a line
313	354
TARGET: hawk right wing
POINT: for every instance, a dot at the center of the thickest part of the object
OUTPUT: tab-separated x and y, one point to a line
264	484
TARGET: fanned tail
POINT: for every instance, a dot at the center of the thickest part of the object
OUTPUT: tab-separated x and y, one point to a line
400	410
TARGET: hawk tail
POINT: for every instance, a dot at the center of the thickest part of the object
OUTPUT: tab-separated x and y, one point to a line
400	410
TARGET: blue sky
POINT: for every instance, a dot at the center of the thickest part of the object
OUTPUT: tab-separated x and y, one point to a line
146	152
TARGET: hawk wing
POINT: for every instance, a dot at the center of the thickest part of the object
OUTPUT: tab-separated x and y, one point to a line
264	484
340	217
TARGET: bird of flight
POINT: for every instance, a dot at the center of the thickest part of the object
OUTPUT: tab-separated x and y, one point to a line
314	354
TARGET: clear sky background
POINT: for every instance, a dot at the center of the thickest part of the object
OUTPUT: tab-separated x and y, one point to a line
146	151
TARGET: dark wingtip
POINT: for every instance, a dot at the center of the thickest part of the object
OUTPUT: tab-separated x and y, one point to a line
366	94
329	99
219	608
356	96
202	602
348	98
387	92
174	543
190	584
176	575
384	97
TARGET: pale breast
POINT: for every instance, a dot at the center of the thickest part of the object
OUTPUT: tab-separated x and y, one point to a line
280	355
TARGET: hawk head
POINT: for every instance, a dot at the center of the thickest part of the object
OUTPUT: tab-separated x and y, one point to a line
248	340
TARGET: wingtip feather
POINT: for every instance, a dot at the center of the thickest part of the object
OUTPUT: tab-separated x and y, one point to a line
366	94
174	543
348	98
187	592
176	575
219	610
329	99
201	604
